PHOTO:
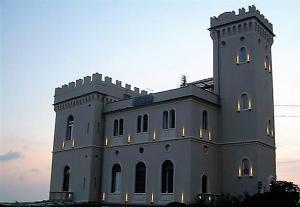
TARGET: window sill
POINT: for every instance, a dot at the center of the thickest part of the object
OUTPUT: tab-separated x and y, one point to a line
245	176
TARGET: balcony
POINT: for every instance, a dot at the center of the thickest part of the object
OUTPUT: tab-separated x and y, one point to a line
61	196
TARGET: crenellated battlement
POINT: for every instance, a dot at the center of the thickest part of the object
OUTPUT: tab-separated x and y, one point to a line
230	17
96	83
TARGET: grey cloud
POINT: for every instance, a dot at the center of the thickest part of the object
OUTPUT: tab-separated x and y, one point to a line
35	170
8	156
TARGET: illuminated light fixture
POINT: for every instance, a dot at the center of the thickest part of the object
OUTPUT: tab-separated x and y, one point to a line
270	69
266	65
240	172
272	133
200	133
152	198
268	132
73	143
249	105
238	106
128	139
106	142
154	135
126	197
200	197
251	172
248	57
103	196
63	145
183	132
237	60
209	136
182	197
209	198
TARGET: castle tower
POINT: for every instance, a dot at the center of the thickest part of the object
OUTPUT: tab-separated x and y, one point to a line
242	67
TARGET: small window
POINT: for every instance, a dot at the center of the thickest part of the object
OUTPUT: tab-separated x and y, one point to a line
204	184
145	123
116	127
165	120
167	177
66	178
139	124
244	102
204	120
121	126
243	56
116	179
245	167
140	178
70	127
172	119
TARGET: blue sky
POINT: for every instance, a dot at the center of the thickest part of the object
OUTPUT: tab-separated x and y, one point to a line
149	44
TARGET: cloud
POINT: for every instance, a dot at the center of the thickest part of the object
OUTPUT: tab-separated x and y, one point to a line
8	156
35	170
288	161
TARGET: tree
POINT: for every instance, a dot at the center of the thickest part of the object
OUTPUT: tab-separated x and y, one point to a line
183	81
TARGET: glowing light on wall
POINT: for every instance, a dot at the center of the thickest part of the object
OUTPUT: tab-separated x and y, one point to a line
249	104
266	64
270	70
272	133
209	136
209	198
152	198
268	132
238	106
237	60
73	143
103	196
251	171
240	172
154	135
106	142
248	57
126	197
182	197
183	132
200	133
63	145
128	139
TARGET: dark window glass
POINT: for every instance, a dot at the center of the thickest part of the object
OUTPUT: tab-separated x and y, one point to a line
115	127
139	124
121	127
172	119
140	178
204	120
204	184
66	178
245	167
244	101
116	179
145	123
70	127
167	177
243	55
165	120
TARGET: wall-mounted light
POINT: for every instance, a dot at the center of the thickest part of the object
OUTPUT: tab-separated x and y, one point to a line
272	133
270	69
63	145
183	132
240	172
128	139
248	57
182	197
209	136
154	135
265	63
268	132
200	133
237	60
73	143
249	105
238	109
251	172
152	198
126	197
209	198
106	142
103	196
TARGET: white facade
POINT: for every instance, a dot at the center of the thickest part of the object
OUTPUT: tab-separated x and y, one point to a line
117	145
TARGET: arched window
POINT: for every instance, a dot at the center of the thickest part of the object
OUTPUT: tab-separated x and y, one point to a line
116	179
66	178
244	102
145	123
121	126
116	127
140	178
139	124
245	167
165	120
204	120
242	56
172	119
204	184
167	177
70	127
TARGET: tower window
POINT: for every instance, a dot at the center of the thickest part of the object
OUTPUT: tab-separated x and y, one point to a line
204	184
116	179
204	120
66	178
140	178
172	119
145	123
169	119
165	120
116	127
244	103
242	56
70	127
245	167
139	124
121	126
167	177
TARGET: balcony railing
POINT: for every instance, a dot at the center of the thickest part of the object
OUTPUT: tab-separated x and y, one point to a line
61	196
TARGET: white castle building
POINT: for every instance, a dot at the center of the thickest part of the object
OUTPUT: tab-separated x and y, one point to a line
113	144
